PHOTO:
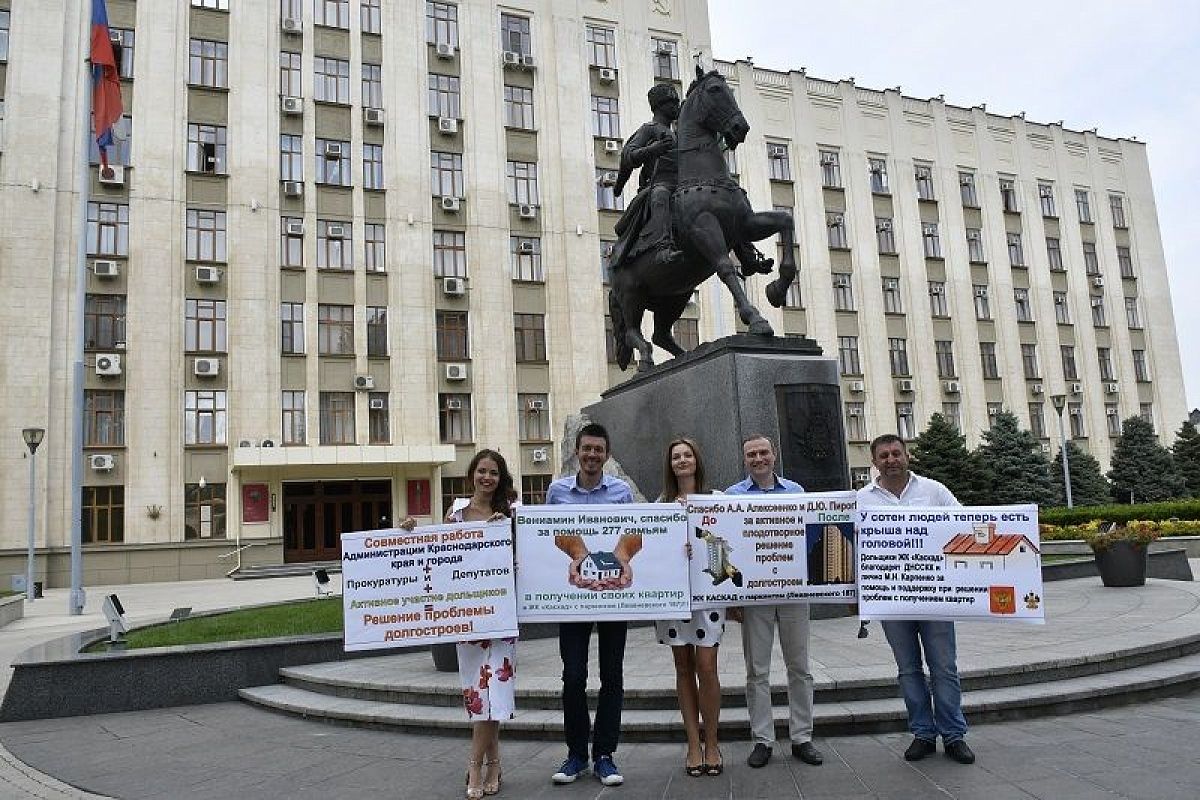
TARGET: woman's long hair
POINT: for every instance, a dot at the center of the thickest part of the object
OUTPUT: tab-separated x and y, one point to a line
670	482
501	498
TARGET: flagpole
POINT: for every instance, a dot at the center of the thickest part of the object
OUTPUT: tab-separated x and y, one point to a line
83	177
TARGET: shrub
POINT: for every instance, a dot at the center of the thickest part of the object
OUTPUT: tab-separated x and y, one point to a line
1173	509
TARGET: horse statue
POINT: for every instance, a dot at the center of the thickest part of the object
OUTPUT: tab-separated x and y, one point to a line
711	216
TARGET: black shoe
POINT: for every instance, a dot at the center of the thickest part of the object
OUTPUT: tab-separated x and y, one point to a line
960	752
759	756
920	748
806	752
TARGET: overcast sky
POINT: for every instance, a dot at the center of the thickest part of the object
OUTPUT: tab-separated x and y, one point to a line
1131	69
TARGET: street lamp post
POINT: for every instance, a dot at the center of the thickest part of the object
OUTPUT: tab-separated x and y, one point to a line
1060	405
33	438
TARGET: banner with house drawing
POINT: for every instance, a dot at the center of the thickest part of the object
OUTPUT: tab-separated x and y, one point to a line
762	549
602	562
441	583
971	563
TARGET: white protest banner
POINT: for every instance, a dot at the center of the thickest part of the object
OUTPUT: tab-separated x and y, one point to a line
977	563
602	562
442	583
761	549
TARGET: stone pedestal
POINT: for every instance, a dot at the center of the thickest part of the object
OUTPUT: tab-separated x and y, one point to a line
718	394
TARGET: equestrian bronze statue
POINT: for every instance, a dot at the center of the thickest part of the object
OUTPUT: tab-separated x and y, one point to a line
688	216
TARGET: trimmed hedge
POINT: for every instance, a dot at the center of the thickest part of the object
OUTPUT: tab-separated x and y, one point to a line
1177	509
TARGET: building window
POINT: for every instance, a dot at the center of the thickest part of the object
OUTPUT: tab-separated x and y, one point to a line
1104	361
1112	416
1141	371
377	331
372	85
892	302
518	107
525	254
1083	205
206	149
4	33
529	331
1029	361
337	418
885	237
779	163
1133	317
731	163
1046	198
371	16
122	50
1016	253
293	418
204	326
686	333
1125	261
848	360
843	292
378	427
944	350
1024	307
831	169
333	162
975	246
533	418
119	152
1070	370
449	254
606	117
835	222
1008	195
924	176
952	411
534	488
606	200
514	34
898	357
1091	263
1146	412
447	174
906	423
932	240
856	422
1099	319
445	96
335	330
291	157
213	5
606	251
206	236
602	46
1075	418
1037	420
453	341
204	417
208	64
1062	309
372	166
994	410
1117	204
289	75
610	346
104	321
103	418
793	298
441	23
877	169
966	189
291	328
938	307
103	514
522	182
666	58
331	80
454	418
987	360
376	250
291	242
983	308
1054	254
332	13
454	488
334	245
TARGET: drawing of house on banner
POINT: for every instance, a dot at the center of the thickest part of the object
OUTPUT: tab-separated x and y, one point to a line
984	549
600	566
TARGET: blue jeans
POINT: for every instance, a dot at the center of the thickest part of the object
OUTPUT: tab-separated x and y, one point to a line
577	725
939	711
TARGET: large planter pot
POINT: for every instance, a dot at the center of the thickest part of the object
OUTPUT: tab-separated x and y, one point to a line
1123	563
445	657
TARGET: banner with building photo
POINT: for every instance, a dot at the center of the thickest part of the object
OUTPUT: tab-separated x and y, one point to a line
971	563
761	549
441	583
602	562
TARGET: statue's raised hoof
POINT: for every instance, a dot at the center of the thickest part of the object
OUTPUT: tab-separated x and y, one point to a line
776	295
761	327
644	365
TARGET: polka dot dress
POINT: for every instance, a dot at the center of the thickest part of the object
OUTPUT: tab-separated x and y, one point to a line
704	629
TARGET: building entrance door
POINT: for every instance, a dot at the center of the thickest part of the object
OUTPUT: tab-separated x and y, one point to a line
316	514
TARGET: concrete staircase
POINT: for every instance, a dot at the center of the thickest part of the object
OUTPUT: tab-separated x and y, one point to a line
258	571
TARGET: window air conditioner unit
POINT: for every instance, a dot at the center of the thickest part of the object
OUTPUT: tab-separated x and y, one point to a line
377	404
291	105
108	364
112	175
333	149
1112	388
206	367
527	211
269	441
293	188
1036	388
981	291
777	151
952	387
454	404
528	61
536	405
208	275
607	179
373	116
854	412
450	205
291	25
295	229
511	59
841	281
884	226
937	290
1045	191
447	125
612	146
335	231
607	249
106	269
904	386
539	455
456	372
454	287
247	443
857	387
1097	302
444	50
966	180
102	462
525	248
665	48
829	160
607	75
1075	388
116	37
364	382
1098	281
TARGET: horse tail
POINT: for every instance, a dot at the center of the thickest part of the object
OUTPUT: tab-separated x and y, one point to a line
621	346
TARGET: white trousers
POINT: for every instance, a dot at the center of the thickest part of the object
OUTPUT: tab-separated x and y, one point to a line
758	638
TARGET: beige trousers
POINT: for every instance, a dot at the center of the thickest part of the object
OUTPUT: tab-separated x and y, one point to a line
758	637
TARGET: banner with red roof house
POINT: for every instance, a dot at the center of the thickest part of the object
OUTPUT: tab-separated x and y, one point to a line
959	564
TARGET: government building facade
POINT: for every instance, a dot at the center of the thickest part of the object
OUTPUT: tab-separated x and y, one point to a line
342	244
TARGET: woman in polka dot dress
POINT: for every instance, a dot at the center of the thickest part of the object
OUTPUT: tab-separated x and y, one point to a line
694	642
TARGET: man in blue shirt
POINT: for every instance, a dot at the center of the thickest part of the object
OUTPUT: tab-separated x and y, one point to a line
758	633
591	486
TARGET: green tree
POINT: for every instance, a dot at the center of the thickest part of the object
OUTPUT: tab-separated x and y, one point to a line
940	452
1187	456
1017	469
1143	471
1089	487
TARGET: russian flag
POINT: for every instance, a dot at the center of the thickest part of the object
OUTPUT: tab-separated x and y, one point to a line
106	83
